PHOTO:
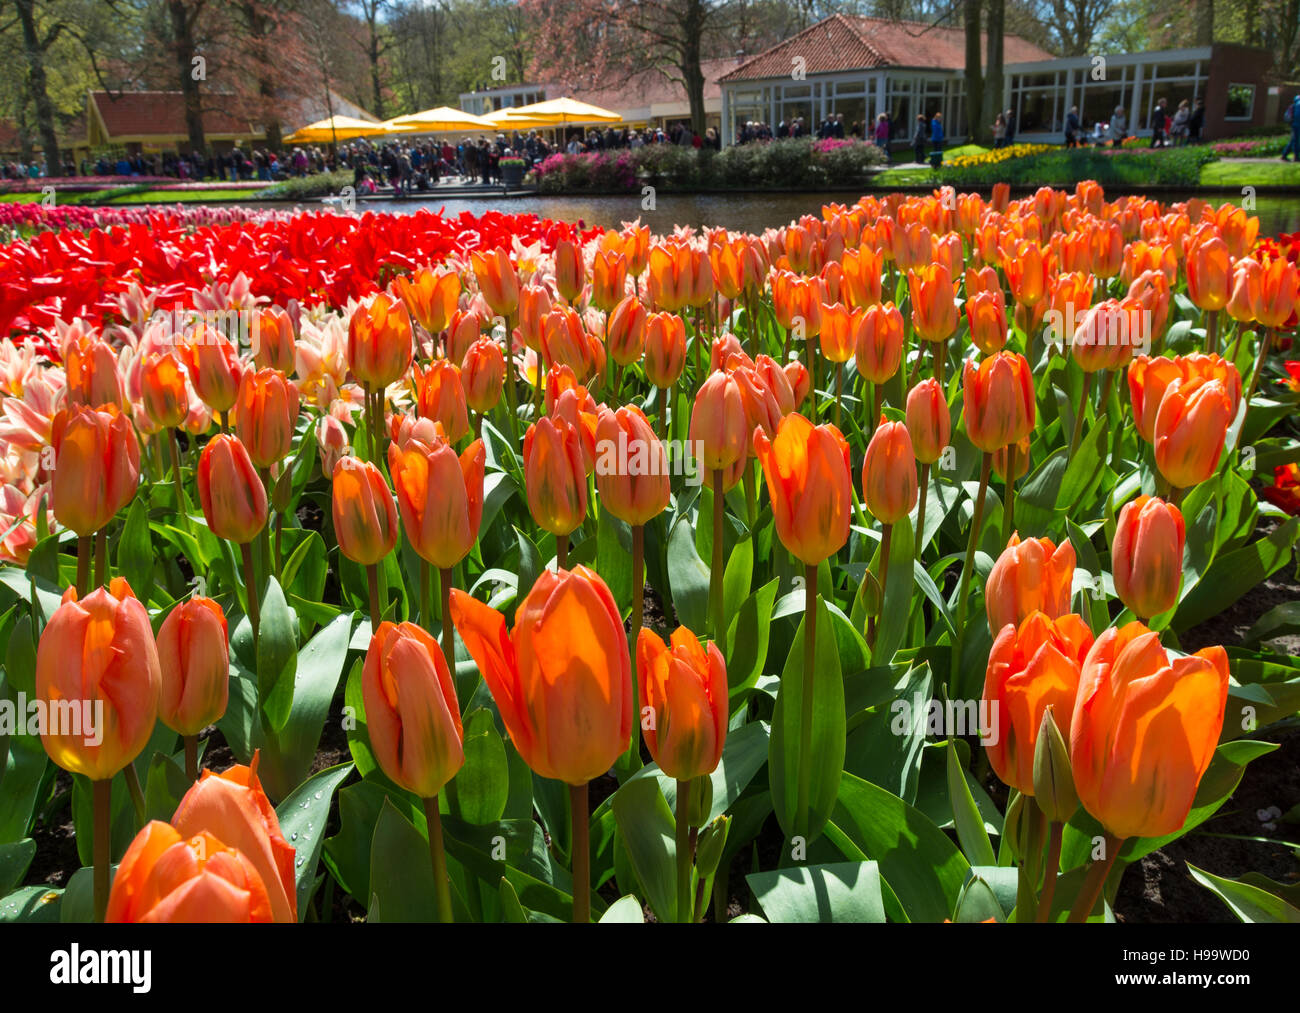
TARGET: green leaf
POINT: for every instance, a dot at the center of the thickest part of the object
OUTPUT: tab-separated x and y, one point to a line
747	637
826	755
886	743
1234	573
135	551
626	910
1279	621
31	905
839	892
302	819
479	791
918	861
898	595
614	557
649	830
980	900
737	577
688	578
277	656
1248	902
401	876
15	857
966	817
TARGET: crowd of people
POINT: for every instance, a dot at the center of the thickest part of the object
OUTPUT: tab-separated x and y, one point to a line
1168	130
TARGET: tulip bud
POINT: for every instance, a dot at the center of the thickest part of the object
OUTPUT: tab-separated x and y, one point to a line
442	398
483	374
710	846
1053	781
214	368
631	466
555	475
497	279
889	487
274	340
194	658
626	331
92	376
665	348
96	466
332	439
1002	460
1147	556
230	491
934	307
929	422
608	279
719	425
379	342
97	674
282	491
999	408
165	397
365	514
440	496
986	313
570	271
1209	272
412	714
266	415
1191	429
806	469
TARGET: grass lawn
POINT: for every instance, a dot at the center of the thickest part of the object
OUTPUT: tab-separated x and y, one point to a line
130	196
1251	172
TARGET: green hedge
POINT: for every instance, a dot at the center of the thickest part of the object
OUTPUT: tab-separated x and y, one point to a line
321	184
1167	166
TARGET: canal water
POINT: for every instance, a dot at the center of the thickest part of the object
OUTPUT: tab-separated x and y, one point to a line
746	212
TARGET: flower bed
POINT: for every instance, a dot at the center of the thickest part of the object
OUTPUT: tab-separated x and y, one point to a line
496	570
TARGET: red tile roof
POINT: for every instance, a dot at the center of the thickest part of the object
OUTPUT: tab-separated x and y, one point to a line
844	42
161	114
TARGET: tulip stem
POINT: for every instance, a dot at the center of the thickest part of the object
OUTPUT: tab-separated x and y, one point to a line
920	512
83	565
839	391
886	537
446	579
663	413
715	571
1212	332
810	349
1009	514
638	615
581	854
1254	376
1095	880
977	522
1031	858
250	585
372	583
103	803
101	557
181	505
1079	414
939	348
137	794
426	594
685	908
806	699
438	857
1052	872
561	552
192	757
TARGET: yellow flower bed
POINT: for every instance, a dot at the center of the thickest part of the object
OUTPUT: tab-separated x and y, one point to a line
1001	155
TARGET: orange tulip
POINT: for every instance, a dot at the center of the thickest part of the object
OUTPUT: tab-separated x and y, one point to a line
555	475
332	442
800	382
1244	300
631	466
164	394
442	398
1107	249
1002	460
1239	230
889	473
626	331
797	303
379	342
986	314
439	496
720	426
194	659
934	307
1031	667
999	406
463	329
1279	292
761	406
213	365
913	246
929	421
636	247
365	515
98	677
266	415
683	700
1191	428
412	714
562	678
737	266
1148	378
1144	730
165	879
1147	556
497	280
862	273
566	341
1030	576
1105	336
880	336
670	276
665	348
232	807
1027	272
430	297
839	332
608	280
96	466
534	305
482	374
274	341
777	381
1209	272
570	271
806	468
230	491
91	372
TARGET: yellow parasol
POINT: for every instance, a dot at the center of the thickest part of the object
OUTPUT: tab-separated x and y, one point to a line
443	119
333	128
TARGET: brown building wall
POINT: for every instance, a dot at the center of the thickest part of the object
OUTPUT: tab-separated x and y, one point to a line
1232	64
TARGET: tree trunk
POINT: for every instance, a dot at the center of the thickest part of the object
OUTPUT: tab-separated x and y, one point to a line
184	13
373	54
976	126
1204	22
692	73
36	84
993	83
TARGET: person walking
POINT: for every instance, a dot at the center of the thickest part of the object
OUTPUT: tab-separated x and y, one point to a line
1072	126
919	136
1000	131
1196	122
1118	127
1292	116
882	131
1178	127
1157	124
936	138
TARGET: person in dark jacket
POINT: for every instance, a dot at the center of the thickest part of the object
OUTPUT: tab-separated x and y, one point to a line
1072	126
1196	122
919	136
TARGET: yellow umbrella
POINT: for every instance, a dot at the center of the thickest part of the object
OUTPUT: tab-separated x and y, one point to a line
441	119
569	110
512	119
337	127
